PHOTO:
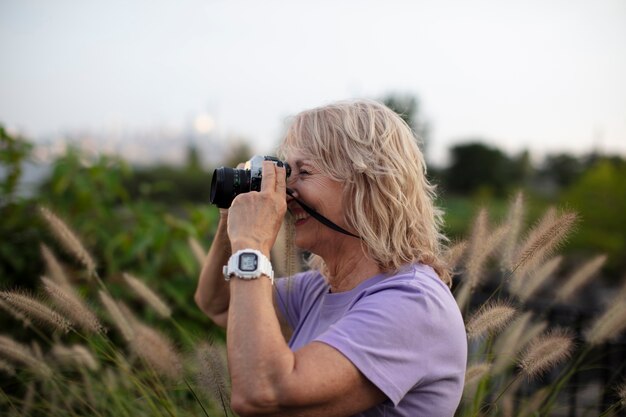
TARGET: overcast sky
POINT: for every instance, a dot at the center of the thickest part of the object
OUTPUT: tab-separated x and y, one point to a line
539	74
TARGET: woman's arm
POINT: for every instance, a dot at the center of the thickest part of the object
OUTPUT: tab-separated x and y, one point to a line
267	377
213	293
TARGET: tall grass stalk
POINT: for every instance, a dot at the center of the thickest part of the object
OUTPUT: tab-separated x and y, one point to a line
35	310
53	266
490	319
543	240
525	287
515	222
579	278
527	266
72	306
148	295
68	239
141	369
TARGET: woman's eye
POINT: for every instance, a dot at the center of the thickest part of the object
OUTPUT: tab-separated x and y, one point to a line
304	172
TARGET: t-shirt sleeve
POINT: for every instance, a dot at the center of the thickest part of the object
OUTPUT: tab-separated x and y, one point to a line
392	337
290	295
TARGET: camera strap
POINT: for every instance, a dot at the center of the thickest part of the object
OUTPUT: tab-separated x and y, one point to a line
319	217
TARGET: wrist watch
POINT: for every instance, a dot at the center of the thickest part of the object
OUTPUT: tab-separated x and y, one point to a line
248	264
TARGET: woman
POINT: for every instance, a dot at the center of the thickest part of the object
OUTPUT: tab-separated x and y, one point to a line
376	331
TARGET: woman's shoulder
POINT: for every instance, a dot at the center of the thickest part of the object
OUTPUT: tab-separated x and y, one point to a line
418	286
415	278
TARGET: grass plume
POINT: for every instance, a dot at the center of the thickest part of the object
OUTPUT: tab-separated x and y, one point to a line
116	316
68	239
196	248
76	356
16	314
454	254
463	294
581	277
213	373
157	351
53	266
609	325
490	319
515	220
479	232
543	240
72	306
475	372
525	287
147	295
545	352
18	352
475	265
35	310
509	344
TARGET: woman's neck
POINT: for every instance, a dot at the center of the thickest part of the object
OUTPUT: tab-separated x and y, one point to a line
346	272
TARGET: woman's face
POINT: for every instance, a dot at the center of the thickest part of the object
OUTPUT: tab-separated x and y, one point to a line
321	193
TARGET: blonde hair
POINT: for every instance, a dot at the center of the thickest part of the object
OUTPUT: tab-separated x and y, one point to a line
388	200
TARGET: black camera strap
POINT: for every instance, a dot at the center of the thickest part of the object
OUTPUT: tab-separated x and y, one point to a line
319	217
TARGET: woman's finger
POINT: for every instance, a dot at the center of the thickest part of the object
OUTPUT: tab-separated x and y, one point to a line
281	180
268	182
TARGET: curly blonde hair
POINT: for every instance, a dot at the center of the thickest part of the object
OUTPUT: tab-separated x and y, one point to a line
388	199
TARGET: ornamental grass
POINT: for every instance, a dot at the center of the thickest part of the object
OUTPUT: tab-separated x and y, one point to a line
113	346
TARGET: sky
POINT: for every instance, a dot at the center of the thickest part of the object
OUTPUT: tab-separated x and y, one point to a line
543	75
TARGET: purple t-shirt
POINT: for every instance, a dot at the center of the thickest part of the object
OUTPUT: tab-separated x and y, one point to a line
404	332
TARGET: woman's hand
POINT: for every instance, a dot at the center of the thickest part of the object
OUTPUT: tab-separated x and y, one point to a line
254	218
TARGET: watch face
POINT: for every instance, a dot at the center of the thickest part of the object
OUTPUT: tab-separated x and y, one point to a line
248	262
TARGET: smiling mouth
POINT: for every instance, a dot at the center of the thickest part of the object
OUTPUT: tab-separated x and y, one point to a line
299	216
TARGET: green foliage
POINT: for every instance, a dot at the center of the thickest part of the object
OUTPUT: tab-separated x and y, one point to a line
14	151
134	377
475	166
79	184
18	245
600	197
126	233
139	221
562	169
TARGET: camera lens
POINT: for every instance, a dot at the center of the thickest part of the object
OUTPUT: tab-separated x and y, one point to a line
222	187
227	183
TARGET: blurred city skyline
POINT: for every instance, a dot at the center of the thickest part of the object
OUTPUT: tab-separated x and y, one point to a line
542	76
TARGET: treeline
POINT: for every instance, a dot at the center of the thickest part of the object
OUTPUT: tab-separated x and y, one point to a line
475	166
97	190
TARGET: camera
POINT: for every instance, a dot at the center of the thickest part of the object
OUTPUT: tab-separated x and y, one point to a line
228	183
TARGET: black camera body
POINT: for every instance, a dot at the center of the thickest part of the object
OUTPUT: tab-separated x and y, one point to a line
228	183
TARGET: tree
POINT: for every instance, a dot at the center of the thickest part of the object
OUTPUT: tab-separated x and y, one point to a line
562	169
475	165
599	196
408	108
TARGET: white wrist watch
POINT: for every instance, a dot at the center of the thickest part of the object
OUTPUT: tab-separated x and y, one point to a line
248	264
